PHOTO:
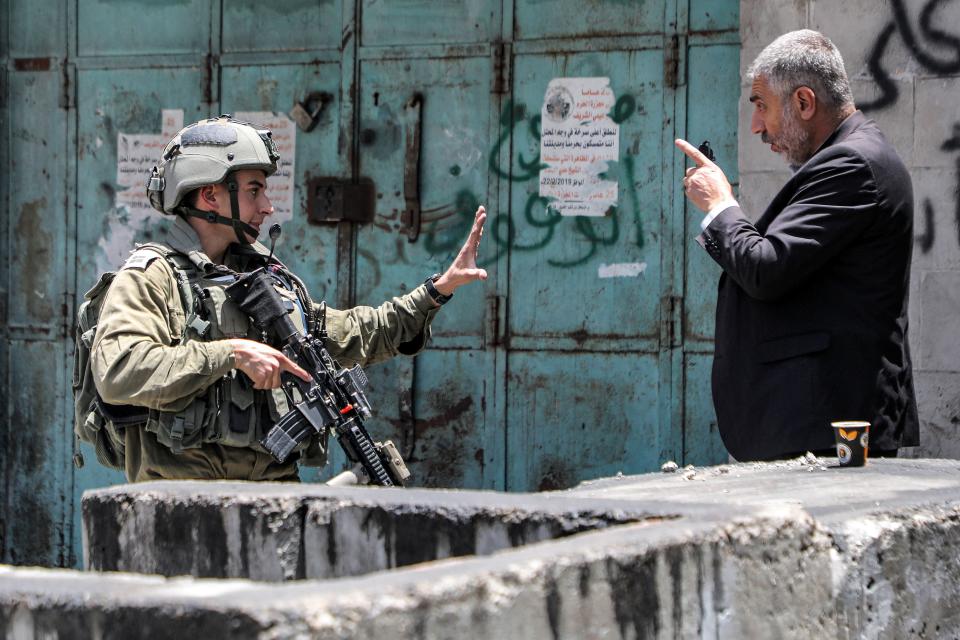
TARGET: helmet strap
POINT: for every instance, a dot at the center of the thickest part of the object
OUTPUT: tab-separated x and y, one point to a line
241	228
238	225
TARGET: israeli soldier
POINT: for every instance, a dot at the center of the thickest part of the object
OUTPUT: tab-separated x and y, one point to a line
180	366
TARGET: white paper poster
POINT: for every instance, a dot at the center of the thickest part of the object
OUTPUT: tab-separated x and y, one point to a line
280	184
577	140
137	155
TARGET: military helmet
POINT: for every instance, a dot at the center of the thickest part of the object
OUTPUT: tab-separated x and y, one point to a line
207	152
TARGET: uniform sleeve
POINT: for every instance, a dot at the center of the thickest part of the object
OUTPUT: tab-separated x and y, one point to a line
136	358
367	335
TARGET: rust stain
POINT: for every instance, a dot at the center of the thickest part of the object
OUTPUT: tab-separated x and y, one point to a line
555	474
437	448
32	64
453	413
35	261
478	456
581	335
266	88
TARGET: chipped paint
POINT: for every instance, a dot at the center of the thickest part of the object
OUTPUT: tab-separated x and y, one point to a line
36	252
621	270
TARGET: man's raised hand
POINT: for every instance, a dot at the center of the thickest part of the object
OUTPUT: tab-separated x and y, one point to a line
705	184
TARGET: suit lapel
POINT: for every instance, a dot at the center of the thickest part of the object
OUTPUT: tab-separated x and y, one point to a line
853	122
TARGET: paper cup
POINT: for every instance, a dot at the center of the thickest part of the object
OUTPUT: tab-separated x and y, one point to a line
852	442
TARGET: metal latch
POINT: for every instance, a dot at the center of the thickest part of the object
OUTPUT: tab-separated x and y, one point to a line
306	113
338	200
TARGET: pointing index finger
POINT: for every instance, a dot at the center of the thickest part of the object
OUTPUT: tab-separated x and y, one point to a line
291	366
692	152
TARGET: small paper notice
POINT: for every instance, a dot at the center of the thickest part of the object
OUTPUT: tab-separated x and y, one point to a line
280	184
137	155
577	140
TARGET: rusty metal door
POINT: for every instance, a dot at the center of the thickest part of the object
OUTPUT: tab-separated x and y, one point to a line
36	501
599	358
427	104
587	350
571	361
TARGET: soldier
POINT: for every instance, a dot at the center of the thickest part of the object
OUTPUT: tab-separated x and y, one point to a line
179	367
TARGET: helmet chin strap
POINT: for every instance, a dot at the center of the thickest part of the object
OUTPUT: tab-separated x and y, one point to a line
241	228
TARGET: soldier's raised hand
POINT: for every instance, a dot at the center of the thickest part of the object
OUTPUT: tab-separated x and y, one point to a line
464	268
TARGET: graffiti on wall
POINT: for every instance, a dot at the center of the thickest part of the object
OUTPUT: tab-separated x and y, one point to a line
919	42
536	226
931	35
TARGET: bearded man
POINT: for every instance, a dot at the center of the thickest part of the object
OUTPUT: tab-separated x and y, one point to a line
812	303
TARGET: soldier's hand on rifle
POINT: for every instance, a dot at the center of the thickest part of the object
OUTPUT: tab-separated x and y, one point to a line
263	364
463	269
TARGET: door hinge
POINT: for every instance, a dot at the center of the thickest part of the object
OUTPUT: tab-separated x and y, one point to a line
671	63
502	60
671	316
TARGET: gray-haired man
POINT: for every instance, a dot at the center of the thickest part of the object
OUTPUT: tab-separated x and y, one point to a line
812	302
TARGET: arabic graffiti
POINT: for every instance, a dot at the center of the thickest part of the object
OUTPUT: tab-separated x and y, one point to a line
951	144
940	66
901	24
536	226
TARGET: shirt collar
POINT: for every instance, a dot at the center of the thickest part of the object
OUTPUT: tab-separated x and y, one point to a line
184	239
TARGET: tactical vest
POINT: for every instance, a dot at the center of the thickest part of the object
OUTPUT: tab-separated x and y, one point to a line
230	411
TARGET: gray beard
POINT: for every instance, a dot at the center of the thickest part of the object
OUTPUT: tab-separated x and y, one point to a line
794	140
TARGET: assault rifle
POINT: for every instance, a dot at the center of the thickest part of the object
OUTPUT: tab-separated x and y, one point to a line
334	398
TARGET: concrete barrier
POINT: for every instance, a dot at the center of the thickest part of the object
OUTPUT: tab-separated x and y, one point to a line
791	550
291	532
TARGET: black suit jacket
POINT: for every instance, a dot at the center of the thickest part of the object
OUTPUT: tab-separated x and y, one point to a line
812	305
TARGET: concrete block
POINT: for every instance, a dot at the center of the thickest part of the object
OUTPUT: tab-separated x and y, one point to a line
763	22
896	120
938	122
790	549
938	393
757	190
855	27
293	532
913	318
939	310
935	212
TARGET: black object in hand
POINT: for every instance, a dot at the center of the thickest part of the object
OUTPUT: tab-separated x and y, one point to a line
705	149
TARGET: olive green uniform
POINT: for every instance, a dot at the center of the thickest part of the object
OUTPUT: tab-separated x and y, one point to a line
138	358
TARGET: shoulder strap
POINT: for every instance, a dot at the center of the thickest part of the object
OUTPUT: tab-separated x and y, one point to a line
183	270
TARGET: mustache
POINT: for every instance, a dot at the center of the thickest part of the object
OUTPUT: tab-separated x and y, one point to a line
765	138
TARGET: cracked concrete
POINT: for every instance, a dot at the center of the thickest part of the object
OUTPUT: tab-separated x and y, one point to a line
794	550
